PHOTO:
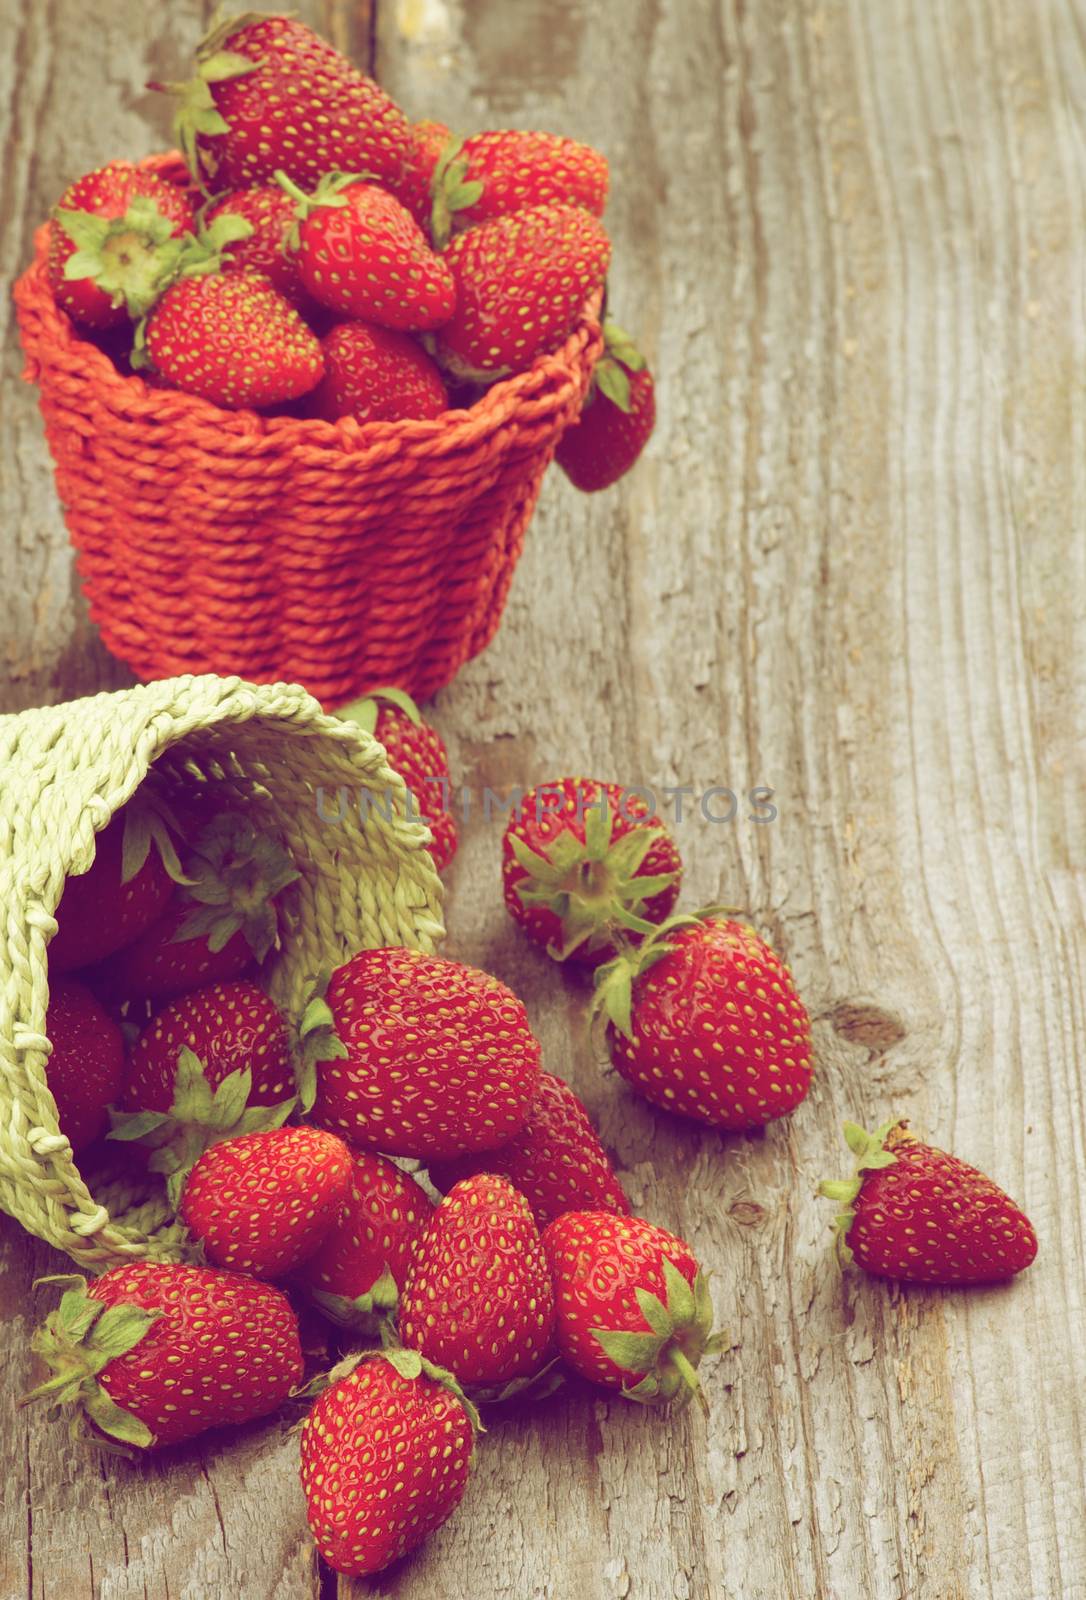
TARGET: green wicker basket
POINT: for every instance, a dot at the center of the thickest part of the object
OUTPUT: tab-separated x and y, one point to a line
364	880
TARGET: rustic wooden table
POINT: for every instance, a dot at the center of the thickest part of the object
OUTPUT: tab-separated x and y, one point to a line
852	568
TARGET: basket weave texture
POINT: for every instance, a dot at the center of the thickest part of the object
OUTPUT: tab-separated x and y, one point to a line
337	555
365	879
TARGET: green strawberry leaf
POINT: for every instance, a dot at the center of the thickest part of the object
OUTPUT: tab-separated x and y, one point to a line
613	382
633	1352
114	1421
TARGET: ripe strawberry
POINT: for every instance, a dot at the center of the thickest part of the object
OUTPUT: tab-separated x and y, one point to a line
426	144
521	282
478	1298
916	1213
262	1203
154	1354
386	1453
705	1020
419	1056
85	1070
230	338
270	93
556	1160
584	860
359	1268
114	240
492	174
269	211
361	252
375	374
122	891
219	923
633	1306
617	420
417	752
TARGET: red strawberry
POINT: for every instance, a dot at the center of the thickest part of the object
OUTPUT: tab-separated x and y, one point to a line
231	1027
263	1203
230	338
915	1213
417	752
113	241
633	1306
154	1354
705	1020
495	173
521	281
363	1261
583	860
478	1298
125	887
375	374
427	142
361	252
85	1070
386	1454
427	1058
270	93
556	1160
225	919
617	420
269	211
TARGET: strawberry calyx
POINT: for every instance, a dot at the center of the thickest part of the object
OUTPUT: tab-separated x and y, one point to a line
451	191
197	114
130	258
665	1358
80	1337
611	374
410	1364
200	254
550	1378
614	979
366	1313
149	820
199	1116
873	1151
330	191
317	1041
364	712
592	886
236	875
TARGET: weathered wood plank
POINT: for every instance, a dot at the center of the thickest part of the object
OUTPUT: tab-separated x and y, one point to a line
851	568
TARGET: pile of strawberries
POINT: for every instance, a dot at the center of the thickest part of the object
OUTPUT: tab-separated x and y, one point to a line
294	1153
328	258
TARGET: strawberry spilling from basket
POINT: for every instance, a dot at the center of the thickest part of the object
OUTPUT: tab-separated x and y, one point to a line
326	256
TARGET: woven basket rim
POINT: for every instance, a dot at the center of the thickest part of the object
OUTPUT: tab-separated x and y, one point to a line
499	402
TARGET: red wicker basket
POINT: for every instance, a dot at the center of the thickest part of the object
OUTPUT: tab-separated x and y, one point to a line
337	555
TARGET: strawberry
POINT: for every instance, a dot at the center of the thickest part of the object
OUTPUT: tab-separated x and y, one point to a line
478	1298
618	417
154	1354
122	891
220	922
85	1070
556	1160
231	338
521	281
375	374
269	211
417	752
386	1453
212	1064
114	240
492	174
427	142
262	1203
583	860
361	252
633	1306
270	93
359	1268
419	1056
704	1020
916	1213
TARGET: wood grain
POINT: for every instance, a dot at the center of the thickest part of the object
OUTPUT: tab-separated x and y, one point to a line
852	569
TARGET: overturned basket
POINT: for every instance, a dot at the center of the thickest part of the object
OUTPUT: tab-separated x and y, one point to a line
365	879
338	555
